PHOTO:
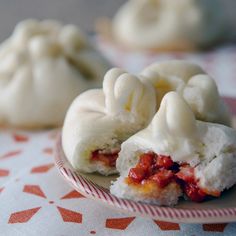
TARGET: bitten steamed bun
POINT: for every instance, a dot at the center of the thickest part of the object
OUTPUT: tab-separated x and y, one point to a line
99	120
43	67
176	153
197	88
169	25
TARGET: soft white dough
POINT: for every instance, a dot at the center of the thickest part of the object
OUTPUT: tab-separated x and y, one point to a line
164	197
169	25
43	67
174	131
191	81
104	118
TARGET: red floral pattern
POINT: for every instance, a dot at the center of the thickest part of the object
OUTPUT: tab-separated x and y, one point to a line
11	154
167	225
20	138
4	172
48	151
70	216
66	214
214	227
72	194
119	223
41	169
22	216
35	190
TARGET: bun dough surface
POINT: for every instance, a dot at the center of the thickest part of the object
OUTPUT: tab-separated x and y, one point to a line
174	132
43	67
197	88
101	119
104	118
169	25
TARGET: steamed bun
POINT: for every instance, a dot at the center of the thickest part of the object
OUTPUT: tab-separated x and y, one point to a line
99	120
176	153
43	67
169	25
197	88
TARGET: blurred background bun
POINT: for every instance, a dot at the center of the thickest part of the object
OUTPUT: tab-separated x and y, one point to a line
73	11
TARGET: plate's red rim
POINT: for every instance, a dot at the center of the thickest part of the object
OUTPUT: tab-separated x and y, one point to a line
95	191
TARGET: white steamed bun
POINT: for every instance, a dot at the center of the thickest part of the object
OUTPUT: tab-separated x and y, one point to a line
101	119
197	88
209	148
169	25
43	67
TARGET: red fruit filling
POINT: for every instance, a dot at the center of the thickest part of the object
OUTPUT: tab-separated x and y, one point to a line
162	170
106	158
163	177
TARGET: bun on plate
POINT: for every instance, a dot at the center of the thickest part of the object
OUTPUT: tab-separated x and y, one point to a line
197	88
176	154
99	120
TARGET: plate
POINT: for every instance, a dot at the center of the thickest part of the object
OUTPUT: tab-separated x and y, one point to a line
94	186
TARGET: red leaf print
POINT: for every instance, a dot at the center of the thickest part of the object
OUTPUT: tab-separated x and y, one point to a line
214	227
119	223
167	225
70	216
72	194
22	216
35	190
1	189
20	138
48	151
42	169
11	154
4	173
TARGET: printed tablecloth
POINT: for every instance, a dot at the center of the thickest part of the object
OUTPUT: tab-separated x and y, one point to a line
35	200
